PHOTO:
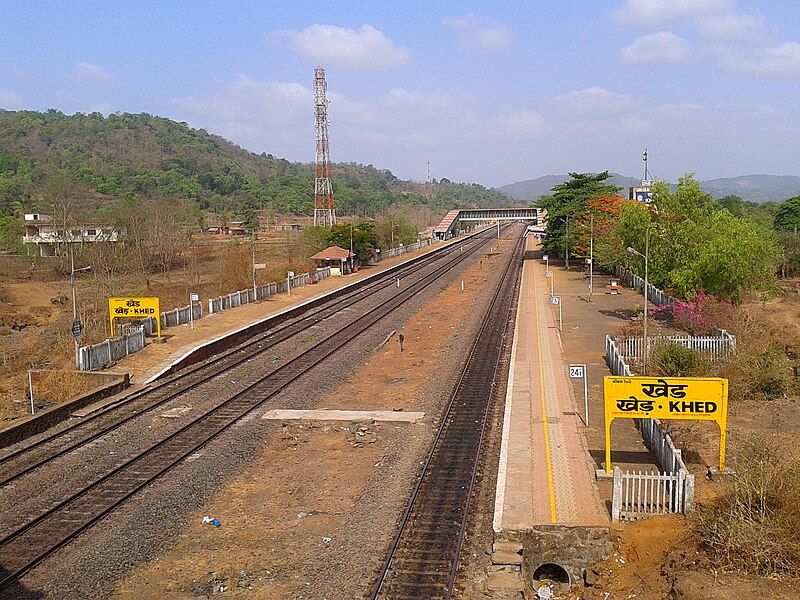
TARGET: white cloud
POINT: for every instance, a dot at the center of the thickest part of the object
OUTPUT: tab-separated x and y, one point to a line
733	27
522	124
367	49
594	101
9	99
21	74
781	61
246	99
662	48
586	130
478	37
85	72
656	12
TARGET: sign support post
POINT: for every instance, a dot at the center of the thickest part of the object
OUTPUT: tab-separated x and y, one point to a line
135	308
30	389
556	300
579	372
685	398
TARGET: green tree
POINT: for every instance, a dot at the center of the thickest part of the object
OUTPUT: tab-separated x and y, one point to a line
569	201
363	236
697	245
11	231
787	219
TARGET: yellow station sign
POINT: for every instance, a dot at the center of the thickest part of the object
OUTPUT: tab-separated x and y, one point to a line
700	398
134	308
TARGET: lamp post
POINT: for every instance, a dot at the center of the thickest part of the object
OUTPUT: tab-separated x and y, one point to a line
77	327
631	250
591	254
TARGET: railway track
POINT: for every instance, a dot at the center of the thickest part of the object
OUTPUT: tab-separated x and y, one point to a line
423	557
45	450
32	542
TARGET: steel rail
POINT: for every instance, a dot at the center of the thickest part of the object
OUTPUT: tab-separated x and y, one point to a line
432	571
264	342
31	543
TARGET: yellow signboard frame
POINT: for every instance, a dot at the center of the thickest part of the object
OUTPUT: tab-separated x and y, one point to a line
134	308
694	398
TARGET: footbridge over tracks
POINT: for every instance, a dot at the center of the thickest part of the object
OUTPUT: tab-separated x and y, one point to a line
449	225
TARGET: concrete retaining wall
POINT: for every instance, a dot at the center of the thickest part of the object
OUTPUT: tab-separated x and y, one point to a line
108	385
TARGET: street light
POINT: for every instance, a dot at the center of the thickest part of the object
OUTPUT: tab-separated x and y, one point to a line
591	254
646	341
77	326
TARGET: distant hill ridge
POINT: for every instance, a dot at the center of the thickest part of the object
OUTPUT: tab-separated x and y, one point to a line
755	188
122	156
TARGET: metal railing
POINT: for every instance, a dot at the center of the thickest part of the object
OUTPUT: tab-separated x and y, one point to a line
96	356
262	292
392	252
655	295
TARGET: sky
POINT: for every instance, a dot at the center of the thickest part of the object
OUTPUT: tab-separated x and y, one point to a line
491	92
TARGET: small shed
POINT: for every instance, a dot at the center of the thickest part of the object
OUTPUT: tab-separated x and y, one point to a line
340	261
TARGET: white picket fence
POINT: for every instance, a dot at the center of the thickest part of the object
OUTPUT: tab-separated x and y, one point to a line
719	346
639	494
98	355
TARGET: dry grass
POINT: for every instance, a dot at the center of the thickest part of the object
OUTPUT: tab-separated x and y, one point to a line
755	526
760	368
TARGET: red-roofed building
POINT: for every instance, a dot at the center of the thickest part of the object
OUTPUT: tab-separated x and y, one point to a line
340	261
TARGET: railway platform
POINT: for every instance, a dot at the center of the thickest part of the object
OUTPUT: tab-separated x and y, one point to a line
547	505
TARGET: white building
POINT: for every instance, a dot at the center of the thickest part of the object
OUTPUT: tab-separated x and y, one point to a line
42	231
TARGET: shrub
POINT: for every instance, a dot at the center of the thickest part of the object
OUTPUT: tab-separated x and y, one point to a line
676	360
755	526
703	315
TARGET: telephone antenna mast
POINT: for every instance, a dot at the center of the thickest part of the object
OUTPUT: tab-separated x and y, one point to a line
646	179
324	213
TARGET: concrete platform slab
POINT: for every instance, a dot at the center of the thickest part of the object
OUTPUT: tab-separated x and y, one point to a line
546	475
344	415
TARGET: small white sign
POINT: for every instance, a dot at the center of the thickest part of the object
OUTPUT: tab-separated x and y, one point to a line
549	273
194	297
555	300
576	371
290	274
260	266
546	257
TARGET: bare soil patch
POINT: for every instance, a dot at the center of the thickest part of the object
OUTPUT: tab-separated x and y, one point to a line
313	514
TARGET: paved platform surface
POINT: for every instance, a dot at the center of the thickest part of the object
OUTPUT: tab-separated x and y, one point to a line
149	363
546	475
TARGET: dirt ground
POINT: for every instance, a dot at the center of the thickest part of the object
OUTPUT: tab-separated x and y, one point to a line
36	310
657	558
280	518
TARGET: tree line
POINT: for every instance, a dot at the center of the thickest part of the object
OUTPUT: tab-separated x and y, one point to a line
125	157
695	243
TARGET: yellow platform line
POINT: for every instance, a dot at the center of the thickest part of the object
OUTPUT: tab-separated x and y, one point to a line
548	457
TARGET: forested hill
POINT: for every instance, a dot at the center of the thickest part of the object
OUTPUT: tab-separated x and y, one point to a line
125	155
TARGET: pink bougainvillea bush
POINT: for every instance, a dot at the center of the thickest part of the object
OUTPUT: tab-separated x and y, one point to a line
701	316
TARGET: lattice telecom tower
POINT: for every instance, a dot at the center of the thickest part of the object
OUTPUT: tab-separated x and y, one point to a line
324	213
